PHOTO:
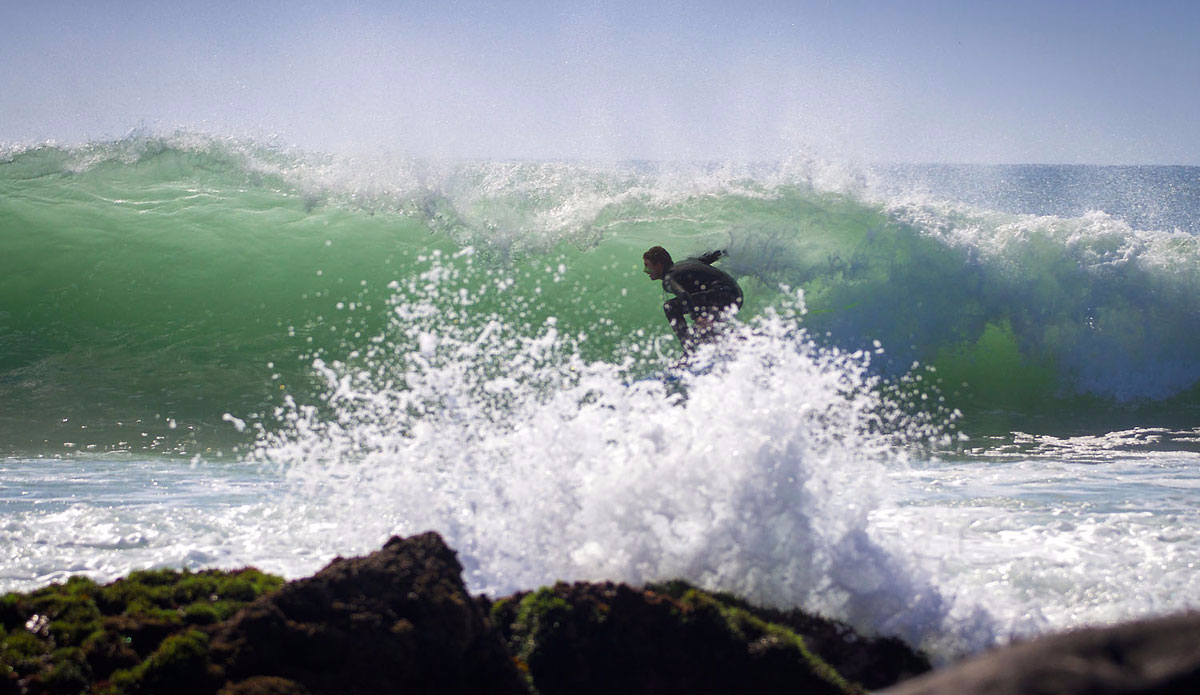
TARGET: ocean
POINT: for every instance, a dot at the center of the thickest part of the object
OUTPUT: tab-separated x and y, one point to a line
960	405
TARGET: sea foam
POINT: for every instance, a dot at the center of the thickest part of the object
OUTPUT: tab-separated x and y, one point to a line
756	474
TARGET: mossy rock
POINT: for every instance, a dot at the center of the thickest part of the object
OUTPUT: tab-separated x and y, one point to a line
875	662
23	652
108	651
70	673
10	611
606	638
133	635
179	665
162	593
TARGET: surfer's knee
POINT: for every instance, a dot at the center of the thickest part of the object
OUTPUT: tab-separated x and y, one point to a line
675	309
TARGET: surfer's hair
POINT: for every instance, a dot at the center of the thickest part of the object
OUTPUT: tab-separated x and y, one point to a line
658	256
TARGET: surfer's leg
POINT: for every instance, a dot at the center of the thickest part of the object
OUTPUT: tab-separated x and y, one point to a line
676	310
708	320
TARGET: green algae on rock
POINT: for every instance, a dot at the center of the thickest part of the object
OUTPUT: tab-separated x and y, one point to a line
874	662
81	636
606	638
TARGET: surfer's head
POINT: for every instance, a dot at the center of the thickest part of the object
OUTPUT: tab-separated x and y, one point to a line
657	260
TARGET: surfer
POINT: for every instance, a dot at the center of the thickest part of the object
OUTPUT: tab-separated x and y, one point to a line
708	294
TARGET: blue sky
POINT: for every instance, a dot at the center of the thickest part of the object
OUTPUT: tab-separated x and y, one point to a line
1013	82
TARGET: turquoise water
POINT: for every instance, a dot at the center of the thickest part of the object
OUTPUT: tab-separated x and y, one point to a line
959	404
156	281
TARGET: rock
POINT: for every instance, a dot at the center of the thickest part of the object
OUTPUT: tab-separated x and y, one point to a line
397	620
1157	657
126	636
401	620
264	685
873	662
610	638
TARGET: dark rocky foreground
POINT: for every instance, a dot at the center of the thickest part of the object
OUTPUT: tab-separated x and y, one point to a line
401	620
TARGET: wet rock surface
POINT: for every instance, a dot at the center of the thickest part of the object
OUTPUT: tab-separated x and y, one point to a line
1150	657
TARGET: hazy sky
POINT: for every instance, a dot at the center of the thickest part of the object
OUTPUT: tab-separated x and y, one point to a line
950	81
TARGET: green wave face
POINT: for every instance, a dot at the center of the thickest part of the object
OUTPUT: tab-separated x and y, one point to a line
150	287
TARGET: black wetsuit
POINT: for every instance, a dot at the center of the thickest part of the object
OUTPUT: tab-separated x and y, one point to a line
701	290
